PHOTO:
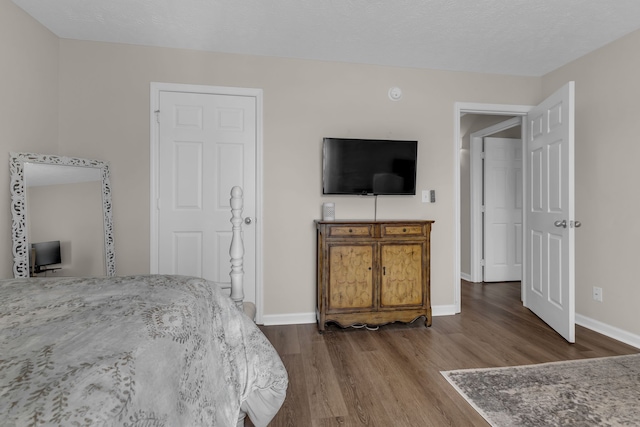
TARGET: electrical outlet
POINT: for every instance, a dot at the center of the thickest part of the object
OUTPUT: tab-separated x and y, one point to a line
597	294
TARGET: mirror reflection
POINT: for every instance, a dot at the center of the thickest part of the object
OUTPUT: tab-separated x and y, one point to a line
61	211
64	220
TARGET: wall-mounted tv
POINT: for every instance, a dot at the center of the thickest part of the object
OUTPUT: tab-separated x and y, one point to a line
369	166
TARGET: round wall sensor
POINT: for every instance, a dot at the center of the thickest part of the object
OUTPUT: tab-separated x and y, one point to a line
395	93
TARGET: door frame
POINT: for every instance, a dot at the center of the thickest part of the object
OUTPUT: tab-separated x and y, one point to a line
477	186
155	89
459	109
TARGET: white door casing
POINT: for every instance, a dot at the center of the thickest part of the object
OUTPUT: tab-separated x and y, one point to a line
549	276
461	108
205	140
503	209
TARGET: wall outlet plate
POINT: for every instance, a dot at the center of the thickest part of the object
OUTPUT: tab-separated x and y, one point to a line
597	293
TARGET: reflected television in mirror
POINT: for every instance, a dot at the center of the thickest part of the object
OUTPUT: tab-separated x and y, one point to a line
46	254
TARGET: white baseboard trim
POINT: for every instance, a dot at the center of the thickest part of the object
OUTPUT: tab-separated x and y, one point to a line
304	318
608	330
465	276
288	319
443	310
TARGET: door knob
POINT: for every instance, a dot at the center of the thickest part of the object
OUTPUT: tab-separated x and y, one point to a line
247	220
562	223
576	224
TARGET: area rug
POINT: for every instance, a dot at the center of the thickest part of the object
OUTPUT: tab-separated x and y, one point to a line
588	392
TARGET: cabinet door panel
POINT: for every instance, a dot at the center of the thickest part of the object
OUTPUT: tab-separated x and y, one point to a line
402	276
350	276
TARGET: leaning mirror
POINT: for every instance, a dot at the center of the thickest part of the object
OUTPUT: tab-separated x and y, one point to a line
61	216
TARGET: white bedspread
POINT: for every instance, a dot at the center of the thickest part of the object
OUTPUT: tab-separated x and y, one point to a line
131	351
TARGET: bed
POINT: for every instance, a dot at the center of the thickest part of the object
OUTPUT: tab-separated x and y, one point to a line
138	351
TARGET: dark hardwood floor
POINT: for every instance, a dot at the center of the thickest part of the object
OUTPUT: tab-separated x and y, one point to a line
391	377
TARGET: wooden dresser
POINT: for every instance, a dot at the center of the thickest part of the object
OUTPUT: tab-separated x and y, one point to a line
373	272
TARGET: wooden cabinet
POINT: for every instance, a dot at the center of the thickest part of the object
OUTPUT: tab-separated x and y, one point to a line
373	272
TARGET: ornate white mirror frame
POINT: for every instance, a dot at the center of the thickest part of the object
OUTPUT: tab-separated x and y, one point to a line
19	212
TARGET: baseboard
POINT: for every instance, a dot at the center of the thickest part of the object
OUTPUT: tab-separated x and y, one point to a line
303	318
465	276
608	330
289	319
443	310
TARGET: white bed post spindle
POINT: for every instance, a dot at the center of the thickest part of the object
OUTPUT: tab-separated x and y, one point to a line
236	251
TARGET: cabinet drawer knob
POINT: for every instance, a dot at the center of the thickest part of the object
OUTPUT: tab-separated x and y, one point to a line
404	230
350	231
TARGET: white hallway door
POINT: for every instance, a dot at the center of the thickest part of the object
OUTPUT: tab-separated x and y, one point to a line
549	278
206	145
503	209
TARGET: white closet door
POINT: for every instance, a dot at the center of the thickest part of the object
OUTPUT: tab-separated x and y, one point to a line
207	145
503	209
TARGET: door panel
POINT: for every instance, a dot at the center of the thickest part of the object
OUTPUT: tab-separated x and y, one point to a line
549	279
207	145
503	209
402	277
350	276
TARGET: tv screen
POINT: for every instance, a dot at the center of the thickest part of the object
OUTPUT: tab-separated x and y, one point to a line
369	166
47	253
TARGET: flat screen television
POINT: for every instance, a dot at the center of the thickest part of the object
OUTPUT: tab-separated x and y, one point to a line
369	166
46	253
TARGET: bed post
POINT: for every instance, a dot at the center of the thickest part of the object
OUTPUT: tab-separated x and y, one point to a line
236	251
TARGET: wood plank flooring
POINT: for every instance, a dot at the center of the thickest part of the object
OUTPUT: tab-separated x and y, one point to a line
391	376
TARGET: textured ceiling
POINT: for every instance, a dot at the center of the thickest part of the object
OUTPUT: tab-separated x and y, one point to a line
519	37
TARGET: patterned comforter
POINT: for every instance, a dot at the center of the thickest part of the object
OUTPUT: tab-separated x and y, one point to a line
132	351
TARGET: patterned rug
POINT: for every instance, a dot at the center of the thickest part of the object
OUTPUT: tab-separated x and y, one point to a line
589	392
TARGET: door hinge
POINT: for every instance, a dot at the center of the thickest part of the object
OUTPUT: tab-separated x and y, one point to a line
483	208
481	263
157	113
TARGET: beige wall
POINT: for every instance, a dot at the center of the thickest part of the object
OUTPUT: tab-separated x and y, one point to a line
28	102
607	173
104	113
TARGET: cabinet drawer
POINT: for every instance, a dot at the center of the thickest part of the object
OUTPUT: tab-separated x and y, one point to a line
350	231
402	230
